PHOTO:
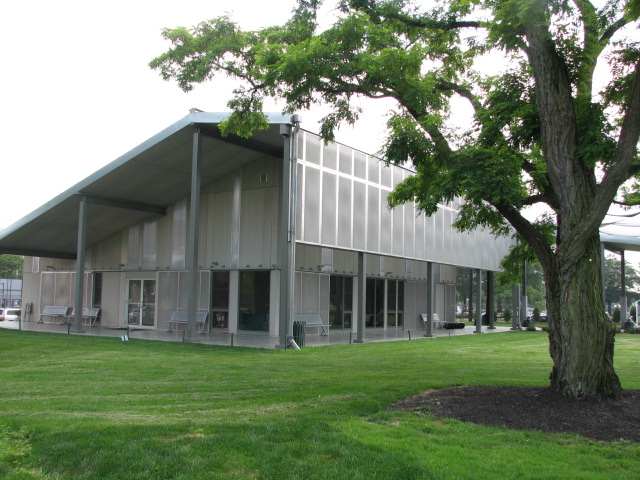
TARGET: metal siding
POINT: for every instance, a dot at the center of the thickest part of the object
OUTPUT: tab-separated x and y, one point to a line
398	229
409	230
330	156
310	291
345	158
300	202
167	296
386	224
359	215
149	244
311	205
360	165
345	262
345	187
218	229
397	176
420	236
373	219
373	169
313	149
329	214
179	234
386	172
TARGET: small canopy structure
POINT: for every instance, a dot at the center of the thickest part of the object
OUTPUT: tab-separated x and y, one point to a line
619	244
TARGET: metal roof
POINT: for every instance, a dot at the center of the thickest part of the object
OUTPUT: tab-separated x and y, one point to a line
139	184
620	243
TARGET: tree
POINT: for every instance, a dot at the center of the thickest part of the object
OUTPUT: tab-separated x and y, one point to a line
542	133
11	266
612	285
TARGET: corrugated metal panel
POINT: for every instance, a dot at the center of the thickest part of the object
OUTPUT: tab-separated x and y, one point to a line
398	230
347	208
313	149
409	230
386	225
345	157
360	165
256	224
312	200
344	212
330	156
373	219
359	215
329	212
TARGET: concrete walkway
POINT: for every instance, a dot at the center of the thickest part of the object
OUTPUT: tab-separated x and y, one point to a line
245	339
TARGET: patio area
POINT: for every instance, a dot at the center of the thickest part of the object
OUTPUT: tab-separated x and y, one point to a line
245	339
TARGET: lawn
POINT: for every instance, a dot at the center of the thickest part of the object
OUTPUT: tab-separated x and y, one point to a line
75	407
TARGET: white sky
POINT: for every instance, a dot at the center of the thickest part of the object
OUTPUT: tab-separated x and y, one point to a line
76	91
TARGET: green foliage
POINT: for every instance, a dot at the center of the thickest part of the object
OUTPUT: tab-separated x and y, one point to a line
11	266
616	315
507	315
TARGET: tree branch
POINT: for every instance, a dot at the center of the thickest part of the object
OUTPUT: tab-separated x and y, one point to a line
619	169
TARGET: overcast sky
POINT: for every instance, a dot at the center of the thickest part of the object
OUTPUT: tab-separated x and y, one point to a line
76	91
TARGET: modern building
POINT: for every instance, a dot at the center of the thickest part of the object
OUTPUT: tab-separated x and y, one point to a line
247	233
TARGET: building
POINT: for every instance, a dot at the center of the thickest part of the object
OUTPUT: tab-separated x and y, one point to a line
286	225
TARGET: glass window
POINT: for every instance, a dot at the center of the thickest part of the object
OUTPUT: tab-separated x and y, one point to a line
220	300
374	310
254	300
340	301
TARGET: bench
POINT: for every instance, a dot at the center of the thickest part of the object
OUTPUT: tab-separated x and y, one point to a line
180	316
436	322
54	311
313	321
89	314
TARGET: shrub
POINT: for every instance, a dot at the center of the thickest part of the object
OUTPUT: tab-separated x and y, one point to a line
507	315
616	315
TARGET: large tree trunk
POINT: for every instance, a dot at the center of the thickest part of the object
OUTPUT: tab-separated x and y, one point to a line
581	336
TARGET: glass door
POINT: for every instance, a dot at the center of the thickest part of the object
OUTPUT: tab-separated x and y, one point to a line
340	301
141	305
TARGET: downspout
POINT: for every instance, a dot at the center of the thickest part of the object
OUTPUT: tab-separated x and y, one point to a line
288	228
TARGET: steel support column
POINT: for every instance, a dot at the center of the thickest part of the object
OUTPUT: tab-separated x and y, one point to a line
515	307
362	296
429	324
288	229
192	238
80	257
491	287
478	301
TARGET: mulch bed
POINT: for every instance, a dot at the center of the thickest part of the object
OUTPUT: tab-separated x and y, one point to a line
534	408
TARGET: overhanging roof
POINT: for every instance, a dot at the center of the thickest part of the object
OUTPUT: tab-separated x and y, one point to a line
139	184
620	243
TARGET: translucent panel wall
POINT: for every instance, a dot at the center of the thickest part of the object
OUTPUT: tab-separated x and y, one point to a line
342	203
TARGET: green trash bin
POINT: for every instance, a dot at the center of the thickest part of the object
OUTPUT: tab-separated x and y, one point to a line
299	333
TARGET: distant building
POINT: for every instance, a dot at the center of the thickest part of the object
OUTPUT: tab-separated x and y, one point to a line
10	292
286	225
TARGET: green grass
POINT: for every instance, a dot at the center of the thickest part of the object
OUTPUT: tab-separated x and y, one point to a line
76	407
